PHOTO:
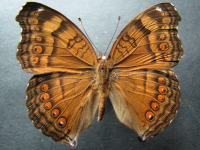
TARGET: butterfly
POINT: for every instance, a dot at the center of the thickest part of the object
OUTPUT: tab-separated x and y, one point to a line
71	83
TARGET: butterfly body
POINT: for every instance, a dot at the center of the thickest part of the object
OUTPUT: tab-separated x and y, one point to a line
102	72
71	82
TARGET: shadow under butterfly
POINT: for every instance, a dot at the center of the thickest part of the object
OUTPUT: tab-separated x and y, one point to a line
71	82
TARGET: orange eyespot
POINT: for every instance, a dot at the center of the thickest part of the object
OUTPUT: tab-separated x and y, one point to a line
35	21
36	14
164	46
149	116
161	98
162	89
164	20
162	36
35	60
154	106
38	39
161	80
143	124
62	122
45	87
55	113
69	129
48	105
163	13
37	49
163	27
44	97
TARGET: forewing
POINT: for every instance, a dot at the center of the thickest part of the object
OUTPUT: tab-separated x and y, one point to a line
51	42
145	100
149	40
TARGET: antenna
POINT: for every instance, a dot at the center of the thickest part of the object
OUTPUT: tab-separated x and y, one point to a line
113	34
87	35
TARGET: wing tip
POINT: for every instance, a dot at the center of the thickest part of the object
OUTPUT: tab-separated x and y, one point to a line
72	143
142	138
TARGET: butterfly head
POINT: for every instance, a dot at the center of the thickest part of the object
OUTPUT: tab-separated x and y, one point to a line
103	57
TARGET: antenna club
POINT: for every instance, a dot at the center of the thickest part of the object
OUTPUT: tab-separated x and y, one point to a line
79	19
119	17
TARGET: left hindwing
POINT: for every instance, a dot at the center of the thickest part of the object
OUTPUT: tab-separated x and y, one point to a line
62	105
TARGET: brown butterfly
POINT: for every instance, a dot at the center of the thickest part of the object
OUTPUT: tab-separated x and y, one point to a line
71	83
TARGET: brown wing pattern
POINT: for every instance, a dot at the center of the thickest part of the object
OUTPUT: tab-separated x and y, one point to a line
149	40
62	105
145	100
144	90
51	42
63	99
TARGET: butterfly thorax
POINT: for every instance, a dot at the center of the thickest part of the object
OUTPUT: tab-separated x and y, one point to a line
102	72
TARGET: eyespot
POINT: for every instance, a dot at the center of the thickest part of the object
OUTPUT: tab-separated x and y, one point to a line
48	105
55	113
163	13
62	122
149	116
37	49
161	98
35	60
162	89
69	129
45	87
35	21
164	20
36	14
162	36
164	46
163	27
143	124
44	97
38	38
161	80
154	105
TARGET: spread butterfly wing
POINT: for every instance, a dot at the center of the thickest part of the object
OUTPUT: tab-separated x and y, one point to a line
144	90
145	100
51	42
149	40
62	105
